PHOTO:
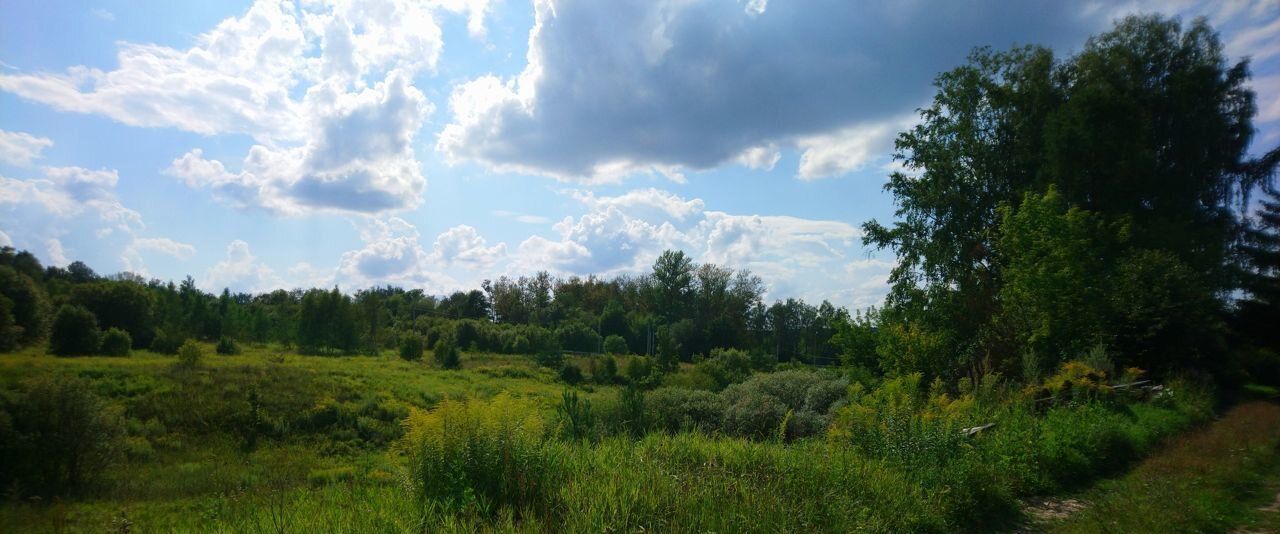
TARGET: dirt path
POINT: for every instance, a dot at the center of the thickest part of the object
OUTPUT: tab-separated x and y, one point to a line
1193	484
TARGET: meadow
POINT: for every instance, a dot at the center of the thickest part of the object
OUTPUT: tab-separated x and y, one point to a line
267	440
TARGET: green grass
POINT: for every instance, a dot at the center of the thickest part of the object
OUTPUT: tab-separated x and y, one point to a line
1211	480
265	439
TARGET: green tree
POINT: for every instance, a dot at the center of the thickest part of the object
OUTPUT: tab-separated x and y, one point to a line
28	309
616	345
411	347
673	284
1147	126
1053	303
1261	310
75	332
119	304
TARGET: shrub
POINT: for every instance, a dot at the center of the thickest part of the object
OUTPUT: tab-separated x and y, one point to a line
551	359
607	372
678	409
190	354
446	353
75	332
757	407
227	346
482	456
616	344
116	342
411	347
571	374
639	370
56	436
166	342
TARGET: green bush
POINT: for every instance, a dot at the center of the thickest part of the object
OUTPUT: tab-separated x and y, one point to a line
116	342
75	332
757	407
446	353
571	374
166	342
190	354
616	344
482	457
677	409
577	421
411	347
56	436
227	346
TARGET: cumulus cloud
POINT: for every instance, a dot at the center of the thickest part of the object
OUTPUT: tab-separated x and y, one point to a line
625	233
393	253
324	88
71	191
240	271
5	240
463	245
20	148
360	158
618	87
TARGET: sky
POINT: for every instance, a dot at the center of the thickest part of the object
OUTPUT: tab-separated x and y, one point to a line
268	144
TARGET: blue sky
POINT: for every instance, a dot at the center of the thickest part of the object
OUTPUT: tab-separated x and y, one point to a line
256	145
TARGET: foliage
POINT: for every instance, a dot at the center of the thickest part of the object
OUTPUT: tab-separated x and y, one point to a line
75	332
57	436
577	421
24	308
482	457
446	353
571	374
226	346
115	342
190	354
615	344
411	347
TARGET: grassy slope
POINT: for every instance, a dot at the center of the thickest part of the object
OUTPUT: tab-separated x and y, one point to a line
1211	480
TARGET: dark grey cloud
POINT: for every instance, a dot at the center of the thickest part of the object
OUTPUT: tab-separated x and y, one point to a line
612	87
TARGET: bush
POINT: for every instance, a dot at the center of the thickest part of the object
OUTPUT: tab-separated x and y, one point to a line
190	354
551	359
56	436
616	344
678	410
116	342
482	456
571	374
227	346
757	407
607	372
166	342
411	347
577	421
75	332
446	353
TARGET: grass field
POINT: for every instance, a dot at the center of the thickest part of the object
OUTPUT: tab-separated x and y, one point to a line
267	441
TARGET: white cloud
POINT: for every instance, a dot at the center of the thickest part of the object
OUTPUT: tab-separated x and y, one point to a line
5	240
71	191
359	158
325	88
20	148
521	217
848	149
57	255
240	271
103	14
625	233
463	245
133	260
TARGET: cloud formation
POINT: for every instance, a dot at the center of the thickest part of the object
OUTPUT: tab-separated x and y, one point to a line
324	88
619	87
20	148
